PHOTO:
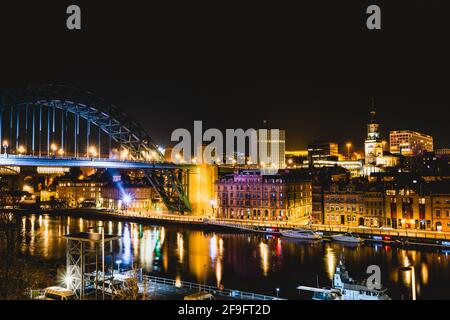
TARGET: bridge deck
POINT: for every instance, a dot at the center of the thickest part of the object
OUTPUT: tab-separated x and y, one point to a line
36	161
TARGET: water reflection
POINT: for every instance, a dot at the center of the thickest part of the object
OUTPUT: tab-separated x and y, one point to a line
243	261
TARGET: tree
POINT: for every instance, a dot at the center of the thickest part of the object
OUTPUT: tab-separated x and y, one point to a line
19	271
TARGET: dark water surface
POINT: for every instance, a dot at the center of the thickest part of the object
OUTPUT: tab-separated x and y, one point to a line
248	262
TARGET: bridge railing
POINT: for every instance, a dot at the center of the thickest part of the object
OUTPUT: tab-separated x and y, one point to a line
207	288
59	157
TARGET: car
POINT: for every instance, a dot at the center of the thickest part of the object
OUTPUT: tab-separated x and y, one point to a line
202	295
58	293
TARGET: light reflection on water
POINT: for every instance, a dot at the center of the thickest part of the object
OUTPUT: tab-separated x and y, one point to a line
244	261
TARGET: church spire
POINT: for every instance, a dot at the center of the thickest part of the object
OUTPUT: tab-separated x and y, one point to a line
373	113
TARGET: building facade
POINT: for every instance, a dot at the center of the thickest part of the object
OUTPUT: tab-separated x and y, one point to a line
407	209
322	150
249	195
374	208
441	212
80	193
344	205
410	143
129	197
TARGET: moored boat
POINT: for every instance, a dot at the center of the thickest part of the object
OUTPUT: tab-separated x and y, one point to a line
345	288
304	234
347	237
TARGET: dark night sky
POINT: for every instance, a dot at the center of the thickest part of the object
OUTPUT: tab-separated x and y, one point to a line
309	69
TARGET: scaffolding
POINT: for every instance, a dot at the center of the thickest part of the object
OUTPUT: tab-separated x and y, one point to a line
82	270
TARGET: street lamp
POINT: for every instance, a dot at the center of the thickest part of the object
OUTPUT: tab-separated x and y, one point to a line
61	152
5	145
21	150
92	151
384	142
103	258
278	291
53	147
213	205
413	279
349	145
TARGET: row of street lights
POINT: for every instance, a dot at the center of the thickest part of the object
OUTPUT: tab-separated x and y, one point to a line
92	152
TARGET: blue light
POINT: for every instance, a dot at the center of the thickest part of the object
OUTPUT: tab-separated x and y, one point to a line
445	243
126	198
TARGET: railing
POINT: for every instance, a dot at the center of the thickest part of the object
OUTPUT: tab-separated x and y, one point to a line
423	234
58	157
210	289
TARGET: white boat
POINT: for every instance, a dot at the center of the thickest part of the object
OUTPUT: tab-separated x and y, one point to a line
304	234
348	237
345	288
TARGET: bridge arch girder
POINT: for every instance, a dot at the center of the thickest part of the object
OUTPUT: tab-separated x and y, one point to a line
115	123
109	118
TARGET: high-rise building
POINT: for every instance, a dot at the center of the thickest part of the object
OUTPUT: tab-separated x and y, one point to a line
410	143
373	145
271	144
322	150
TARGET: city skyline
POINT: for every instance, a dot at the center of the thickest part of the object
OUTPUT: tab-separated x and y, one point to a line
185	152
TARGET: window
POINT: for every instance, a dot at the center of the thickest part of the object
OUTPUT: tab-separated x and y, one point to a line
438	213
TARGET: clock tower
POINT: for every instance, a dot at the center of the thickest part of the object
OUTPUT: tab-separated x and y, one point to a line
373	145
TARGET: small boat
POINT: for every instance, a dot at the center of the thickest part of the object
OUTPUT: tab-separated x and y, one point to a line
347	237
304	234
345	288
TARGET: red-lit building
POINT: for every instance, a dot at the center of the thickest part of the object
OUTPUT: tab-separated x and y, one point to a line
249	195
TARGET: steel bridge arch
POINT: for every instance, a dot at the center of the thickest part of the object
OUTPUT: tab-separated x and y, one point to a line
108	117
115	123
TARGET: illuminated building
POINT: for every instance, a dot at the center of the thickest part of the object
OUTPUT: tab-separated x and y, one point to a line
344	205
374	207
249	195
423	206
268	140
322	150
129	197
52	170
410	143
442	153
406	209
441	211
373	144
201	188
294	159
297	153
80	192
355	167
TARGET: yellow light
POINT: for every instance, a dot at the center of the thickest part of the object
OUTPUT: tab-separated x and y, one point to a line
21	150
61	152
93	151
53	147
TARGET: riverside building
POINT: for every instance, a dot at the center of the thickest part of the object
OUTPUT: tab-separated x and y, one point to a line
250	195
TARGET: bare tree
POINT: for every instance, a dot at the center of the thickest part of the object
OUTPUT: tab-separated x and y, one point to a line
19	271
